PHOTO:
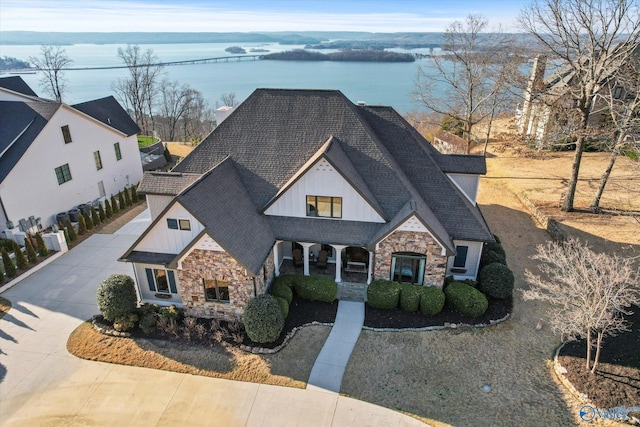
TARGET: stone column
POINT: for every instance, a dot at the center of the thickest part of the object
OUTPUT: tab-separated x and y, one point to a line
276	254
338	249
305	256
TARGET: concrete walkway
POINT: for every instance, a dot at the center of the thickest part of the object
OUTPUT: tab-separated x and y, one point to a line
331	363
42	384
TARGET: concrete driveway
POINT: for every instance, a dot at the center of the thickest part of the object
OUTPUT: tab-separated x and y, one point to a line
42	384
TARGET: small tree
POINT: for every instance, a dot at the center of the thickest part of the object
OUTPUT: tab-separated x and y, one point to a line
72	232
9	267
87	221
127	197
42	248
114	205
21	260
116	296
32	257
95	217
121	202
589	292
102	213
82	225
167	154
134	194
107	208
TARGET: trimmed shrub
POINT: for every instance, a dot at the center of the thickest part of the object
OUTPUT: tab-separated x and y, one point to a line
263	319
383	294
288	279
431	300
496	247
410	297
116	296
171	315
82	225
72	232
42	248
134	194
7	244
316	288
9	266
282	290
87	221
466	299
148	314
101	213
21	260
121	203
284	306
490	257
32	257
126	322
95	217
496	280
497	239
107	208
114	204
127	197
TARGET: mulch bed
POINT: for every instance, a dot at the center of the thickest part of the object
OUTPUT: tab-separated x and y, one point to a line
616	381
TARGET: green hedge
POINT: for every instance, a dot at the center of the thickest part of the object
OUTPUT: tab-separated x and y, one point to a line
282	290
263	319
316	288
383	294
410	296
496	280
490	257
431	300
466	299
284	306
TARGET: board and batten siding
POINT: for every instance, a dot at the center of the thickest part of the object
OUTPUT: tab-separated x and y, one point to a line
157	204
468	184
323	180
473	260
163	239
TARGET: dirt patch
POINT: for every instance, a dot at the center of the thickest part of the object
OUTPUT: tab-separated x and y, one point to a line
5	306
180	149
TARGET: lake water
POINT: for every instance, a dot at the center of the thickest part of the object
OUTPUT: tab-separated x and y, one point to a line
372	83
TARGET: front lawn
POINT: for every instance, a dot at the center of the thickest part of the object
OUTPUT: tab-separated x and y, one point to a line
145	141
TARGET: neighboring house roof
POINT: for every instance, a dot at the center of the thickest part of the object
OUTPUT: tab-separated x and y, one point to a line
166	183
110	112
21	123
276	135
16	84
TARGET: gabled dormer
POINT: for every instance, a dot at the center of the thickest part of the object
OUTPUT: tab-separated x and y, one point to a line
327	186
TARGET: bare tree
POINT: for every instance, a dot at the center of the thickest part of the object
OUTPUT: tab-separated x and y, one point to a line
592	38
139	91
198	120
589	292
467	70
619	104
174	103
51	63
227	100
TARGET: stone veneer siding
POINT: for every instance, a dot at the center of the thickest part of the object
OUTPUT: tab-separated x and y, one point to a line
411	241
201	264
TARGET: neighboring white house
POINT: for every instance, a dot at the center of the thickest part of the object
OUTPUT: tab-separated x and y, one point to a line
293	174
55	156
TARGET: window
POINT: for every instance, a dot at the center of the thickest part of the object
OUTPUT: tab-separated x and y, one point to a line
98	160
178	224
116	147
66	134
324	206
161	280
216	290
408	267
63	174
461	259
617	93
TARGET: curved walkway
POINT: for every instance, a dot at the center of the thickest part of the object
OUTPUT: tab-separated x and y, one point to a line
42	384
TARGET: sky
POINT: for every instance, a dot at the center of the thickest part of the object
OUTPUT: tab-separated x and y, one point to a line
246	16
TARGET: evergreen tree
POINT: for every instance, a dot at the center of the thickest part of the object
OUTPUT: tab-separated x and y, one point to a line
31	252
21	260
134	194
71	231
95	217
66	237
127	197
87	221
102	213
121	203
82	225
42	248
107	208
167	154
114	205
9	267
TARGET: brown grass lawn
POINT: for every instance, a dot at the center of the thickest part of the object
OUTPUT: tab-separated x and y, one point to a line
180	149
290	367
5	306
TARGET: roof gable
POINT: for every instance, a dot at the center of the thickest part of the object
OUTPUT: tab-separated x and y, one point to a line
17	84
166	183
109	112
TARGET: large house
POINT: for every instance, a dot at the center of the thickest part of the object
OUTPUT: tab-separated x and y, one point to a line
55	156
307	172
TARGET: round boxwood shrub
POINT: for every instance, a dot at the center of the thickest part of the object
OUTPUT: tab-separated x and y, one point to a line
383	294
281	289
431	300
496	280
490	257
125	322
116	296
316	288
466	299
284	306
496	247
410	297
263	319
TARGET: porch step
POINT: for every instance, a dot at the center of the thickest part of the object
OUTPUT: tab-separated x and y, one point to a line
352	291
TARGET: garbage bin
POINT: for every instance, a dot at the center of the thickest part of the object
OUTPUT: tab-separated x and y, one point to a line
74	214
62	218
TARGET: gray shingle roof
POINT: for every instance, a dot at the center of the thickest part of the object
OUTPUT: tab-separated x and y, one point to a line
456	163
149	257
16	84
325	231
166	183
110	112
20	124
